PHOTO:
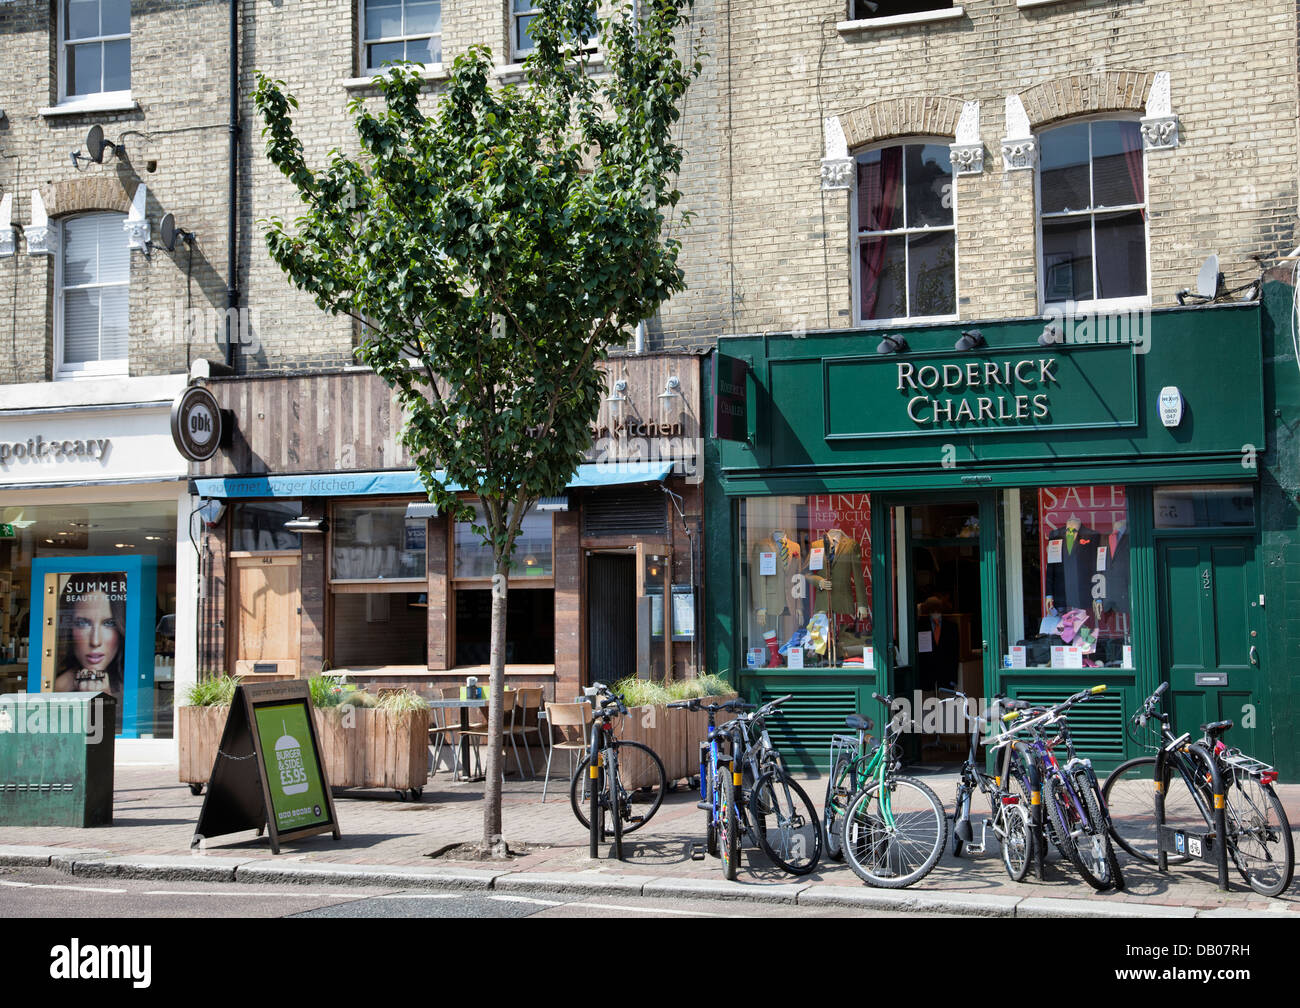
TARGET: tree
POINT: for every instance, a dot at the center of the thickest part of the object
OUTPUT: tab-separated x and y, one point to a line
495	249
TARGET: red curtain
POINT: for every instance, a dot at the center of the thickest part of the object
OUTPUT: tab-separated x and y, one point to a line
1133	160
878	191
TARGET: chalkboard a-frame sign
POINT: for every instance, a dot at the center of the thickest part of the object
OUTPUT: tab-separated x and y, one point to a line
268	773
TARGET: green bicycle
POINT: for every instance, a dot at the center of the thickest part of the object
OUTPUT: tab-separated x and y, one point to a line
893	828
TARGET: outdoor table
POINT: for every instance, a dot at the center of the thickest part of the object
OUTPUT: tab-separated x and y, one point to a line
465	707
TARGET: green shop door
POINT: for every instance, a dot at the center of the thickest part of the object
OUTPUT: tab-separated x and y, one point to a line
1210	621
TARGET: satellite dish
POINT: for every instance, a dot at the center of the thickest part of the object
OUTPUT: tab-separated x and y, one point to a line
95	144
167	231
1207	281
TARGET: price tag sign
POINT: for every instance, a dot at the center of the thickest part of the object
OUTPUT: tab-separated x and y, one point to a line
817	558
767	564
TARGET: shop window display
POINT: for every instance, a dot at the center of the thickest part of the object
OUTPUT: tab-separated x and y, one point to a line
806	573
1076	547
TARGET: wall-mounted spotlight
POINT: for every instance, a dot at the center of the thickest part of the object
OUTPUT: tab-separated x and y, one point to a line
971	339
95	144
1051	335
169	233
619	397
304	524
892	344
672	388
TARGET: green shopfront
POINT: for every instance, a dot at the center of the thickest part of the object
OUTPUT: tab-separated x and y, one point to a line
1012	515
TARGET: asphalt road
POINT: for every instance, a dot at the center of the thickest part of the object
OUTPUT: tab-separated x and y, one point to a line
44	893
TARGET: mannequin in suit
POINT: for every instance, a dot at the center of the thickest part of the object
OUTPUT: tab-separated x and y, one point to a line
838	579
771	595
1116	544
1069	581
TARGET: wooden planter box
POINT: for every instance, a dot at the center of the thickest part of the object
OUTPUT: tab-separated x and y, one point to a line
674	734
371	749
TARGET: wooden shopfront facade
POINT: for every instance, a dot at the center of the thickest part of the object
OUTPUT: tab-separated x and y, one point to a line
322	552
1022	517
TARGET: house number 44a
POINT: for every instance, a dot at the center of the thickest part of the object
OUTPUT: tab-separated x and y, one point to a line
1205	579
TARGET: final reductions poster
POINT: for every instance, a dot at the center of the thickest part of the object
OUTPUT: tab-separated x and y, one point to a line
851	514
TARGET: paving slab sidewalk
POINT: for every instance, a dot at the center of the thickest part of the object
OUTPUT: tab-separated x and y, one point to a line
389	842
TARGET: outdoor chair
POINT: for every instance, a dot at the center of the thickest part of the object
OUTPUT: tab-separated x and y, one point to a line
571	721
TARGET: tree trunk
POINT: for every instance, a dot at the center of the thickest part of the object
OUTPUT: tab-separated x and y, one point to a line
492	837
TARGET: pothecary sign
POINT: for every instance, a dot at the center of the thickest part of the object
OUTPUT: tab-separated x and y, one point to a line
196	423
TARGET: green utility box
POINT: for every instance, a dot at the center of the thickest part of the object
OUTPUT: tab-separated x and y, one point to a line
56	759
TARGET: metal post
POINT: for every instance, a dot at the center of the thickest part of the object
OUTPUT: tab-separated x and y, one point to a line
1158	792
1219	803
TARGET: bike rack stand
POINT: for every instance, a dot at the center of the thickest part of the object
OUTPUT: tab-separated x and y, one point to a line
1036	812
1202	846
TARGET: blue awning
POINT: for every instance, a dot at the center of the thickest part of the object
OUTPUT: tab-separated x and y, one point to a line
365	484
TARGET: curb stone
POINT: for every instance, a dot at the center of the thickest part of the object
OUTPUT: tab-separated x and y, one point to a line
675	888
574	883
19	856
389	876
1045	906
968	904
162	867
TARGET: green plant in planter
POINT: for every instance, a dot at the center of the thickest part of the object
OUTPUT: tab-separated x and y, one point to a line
218	692
651	693
403	700
330	691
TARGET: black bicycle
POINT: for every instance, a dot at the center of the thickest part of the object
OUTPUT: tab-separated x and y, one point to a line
1007	791
1258	834
619	785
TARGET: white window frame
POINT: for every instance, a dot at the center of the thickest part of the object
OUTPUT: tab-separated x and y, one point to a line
1094	304
95	99
86	369
518	55
855	264
363	43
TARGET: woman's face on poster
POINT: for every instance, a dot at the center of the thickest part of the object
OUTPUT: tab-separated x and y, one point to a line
96	637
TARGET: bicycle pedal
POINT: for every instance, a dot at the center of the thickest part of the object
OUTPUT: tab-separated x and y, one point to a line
704	806
697	852
636	819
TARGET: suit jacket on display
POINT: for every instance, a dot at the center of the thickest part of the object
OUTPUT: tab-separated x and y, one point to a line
1116	572
843	568
774	592
1070	581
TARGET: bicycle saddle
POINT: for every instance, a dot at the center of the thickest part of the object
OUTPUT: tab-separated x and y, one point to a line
1216	728
859	723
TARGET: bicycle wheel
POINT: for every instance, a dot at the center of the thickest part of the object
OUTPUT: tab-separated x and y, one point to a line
1019	847
1058	819
728	824
897	855
839	788
1101	867
786	823
1259	836
1129	794
642	785
961	814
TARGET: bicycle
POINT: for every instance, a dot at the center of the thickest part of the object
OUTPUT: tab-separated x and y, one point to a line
720	781
894	827
1074	807
1258	835
1009	817
842	782
627	779
785	821
750	782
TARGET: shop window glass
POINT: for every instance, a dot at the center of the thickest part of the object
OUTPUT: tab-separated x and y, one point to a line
530	627
863	9
1070	604
377	542
533	556
85	532
805	573
380	628
258	526
1200	506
